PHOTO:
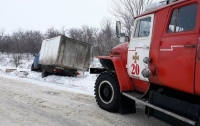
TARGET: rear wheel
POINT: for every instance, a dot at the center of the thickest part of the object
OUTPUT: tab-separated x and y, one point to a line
107	91
70	73
74	73
44	72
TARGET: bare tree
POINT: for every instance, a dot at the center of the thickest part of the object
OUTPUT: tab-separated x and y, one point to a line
17	57
75	33
85	34
33	41
106	39
51	32
63	31
5	44
2	41
126	10
89	34
2	33
17	40
102	40
17	46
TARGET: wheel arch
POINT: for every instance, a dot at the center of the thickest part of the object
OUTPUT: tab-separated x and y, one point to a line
116	64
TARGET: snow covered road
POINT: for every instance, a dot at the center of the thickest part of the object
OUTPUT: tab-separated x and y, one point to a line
23	103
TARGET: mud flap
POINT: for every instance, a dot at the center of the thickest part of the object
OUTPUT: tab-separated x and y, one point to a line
127	105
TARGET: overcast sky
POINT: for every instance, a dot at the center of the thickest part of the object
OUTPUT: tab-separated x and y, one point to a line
43	14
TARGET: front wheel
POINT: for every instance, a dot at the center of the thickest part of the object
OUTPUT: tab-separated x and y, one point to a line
107	91
32	67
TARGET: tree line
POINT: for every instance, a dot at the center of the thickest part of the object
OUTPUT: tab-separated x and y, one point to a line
29	41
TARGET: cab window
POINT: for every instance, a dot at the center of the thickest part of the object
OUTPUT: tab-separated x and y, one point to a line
143	27
183	19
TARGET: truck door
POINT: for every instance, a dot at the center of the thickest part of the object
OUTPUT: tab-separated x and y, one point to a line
178	48
35	62
197	69
139	46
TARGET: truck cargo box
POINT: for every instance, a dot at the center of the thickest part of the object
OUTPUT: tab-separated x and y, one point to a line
64	52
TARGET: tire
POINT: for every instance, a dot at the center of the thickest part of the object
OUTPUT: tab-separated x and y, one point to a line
71	73
198	121
44	73
107	91
74	73
32	67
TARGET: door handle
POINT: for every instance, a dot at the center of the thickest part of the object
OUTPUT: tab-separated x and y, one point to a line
189	45
145	47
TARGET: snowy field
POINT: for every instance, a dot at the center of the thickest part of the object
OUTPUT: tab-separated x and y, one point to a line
81	84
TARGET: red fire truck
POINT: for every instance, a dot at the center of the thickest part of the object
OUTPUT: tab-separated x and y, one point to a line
159	66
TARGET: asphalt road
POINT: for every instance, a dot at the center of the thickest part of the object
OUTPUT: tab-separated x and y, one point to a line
24	104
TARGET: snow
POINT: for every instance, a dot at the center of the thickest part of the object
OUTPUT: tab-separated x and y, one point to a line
83	83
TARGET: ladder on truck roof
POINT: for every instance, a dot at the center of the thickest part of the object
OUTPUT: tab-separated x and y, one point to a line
158	4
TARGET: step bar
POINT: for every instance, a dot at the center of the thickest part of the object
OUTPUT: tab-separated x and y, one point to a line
128	94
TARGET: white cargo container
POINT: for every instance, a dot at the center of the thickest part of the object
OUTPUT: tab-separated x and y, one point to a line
62	53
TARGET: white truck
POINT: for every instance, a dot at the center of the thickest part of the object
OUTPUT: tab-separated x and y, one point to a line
62	55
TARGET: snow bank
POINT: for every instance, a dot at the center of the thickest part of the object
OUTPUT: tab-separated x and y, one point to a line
82	84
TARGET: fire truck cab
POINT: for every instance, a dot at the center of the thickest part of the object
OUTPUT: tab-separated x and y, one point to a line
159	67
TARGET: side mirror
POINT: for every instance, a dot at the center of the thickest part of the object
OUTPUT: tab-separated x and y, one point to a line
122	37
118	29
